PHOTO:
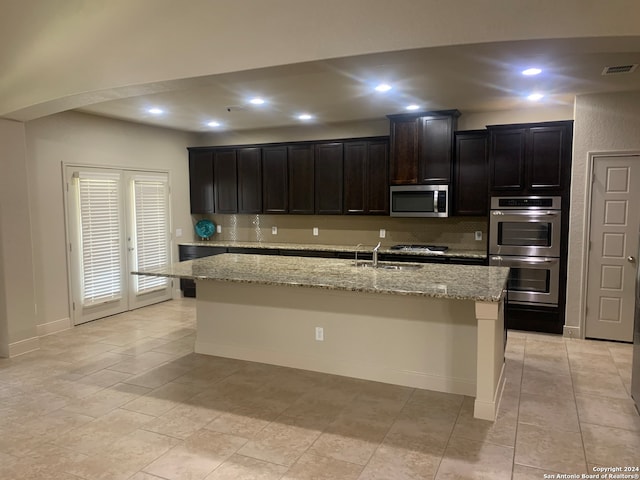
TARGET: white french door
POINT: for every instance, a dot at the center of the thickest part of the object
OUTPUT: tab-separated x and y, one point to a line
118	222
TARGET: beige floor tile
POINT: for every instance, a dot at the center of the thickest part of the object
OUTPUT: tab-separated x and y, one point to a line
196	457
163	399
470	459
313	467
97	363
158	376
542	383
608	412
140	346
141	363
125	458
282	442
546	364
246	468
549	449
104	378
244	424
415	462
182	421
351	440
101	433
611	446
501	432
558	413
599	384
145	476
106	400
520	472
591	362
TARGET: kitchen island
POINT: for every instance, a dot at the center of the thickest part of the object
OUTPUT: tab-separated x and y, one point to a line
431	326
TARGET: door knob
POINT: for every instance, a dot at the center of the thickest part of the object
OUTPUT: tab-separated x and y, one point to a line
631	259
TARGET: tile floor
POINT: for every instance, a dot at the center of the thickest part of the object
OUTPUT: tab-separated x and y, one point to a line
126	398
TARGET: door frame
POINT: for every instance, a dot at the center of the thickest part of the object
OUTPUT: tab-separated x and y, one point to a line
67	232
586	234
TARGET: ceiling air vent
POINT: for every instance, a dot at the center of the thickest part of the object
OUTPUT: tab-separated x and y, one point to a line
619	69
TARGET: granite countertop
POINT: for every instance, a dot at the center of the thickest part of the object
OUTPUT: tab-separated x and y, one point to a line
451	252
461	282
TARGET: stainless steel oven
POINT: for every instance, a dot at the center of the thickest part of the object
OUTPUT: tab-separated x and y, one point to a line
525	226
532	280
524	234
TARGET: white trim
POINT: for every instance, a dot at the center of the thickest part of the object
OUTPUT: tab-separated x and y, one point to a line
53	327
581	330
24	346
569	331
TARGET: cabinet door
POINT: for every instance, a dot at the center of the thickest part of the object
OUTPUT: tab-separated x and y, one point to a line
435	143
249	180
225	181
328	178
355	177
546	150
301	179
275	185
507	159
378	177
404	151
471	187
201	181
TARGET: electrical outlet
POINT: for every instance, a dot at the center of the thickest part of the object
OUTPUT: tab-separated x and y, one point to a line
274	230
315	231
219	228
383	233
319	334
478	235
178	232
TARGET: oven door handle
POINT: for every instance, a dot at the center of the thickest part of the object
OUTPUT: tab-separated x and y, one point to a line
530	260
525	214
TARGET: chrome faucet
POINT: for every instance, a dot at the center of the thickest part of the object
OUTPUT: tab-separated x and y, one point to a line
374	262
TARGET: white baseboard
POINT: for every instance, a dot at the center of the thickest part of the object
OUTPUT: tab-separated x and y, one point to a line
571	332
24	346
53	327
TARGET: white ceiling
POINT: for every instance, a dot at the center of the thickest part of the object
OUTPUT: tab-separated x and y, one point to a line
471	78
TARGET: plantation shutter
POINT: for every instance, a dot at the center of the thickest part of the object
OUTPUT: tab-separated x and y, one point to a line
151	220
100	224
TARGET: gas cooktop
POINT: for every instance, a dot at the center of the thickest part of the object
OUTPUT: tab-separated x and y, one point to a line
420	248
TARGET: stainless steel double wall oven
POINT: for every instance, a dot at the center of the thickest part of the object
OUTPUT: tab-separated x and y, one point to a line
525	234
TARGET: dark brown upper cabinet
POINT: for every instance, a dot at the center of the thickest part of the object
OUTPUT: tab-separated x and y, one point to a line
275	180
471	173
225	181
201	181
328	178
249	161
366	189
530	158
301	179
421	147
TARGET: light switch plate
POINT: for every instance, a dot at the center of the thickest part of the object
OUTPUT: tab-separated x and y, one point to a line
274	230
315	231
478	235
219	228
383	233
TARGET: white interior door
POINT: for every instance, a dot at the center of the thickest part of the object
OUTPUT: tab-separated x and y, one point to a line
118	221
613	246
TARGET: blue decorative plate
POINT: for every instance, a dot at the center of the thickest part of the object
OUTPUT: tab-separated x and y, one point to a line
205	228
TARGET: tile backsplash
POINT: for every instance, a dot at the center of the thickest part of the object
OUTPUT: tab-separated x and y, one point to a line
455	232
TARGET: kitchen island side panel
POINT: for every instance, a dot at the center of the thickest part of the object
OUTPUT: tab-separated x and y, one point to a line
414	341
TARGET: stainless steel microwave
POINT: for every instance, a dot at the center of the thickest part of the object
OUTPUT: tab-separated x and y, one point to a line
419	201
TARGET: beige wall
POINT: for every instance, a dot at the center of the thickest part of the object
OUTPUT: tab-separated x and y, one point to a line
64	54
77	138
603	123
17	316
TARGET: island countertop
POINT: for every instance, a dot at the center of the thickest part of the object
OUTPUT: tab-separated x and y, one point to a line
451	252
459	282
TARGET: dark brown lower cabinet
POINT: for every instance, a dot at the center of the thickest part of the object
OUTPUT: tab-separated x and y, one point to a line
189	252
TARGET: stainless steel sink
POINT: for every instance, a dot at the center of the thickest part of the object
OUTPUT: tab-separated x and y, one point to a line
389	266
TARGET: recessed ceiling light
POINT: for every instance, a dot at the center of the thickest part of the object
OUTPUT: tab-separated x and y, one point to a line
531	71
155	111
213	124
383	87
305	116
256	101
412	107
534	97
